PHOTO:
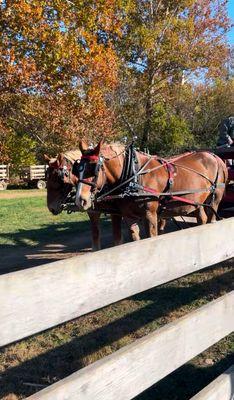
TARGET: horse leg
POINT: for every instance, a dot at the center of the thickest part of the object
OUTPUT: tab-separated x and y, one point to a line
133	227
95	228
161	225
116	229
201	216
151	221
211	212
219	192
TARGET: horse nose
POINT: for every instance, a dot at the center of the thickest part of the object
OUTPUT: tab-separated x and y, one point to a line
54	212
83	203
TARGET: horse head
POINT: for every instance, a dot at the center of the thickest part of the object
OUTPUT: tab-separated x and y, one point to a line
87	172
60	181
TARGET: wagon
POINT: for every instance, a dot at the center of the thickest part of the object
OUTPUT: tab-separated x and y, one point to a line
34	175
4	176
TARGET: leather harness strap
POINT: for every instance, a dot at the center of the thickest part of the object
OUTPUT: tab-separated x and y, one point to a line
168	193
129	186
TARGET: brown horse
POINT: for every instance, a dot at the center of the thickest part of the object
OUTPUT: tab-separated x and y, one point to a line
60	183
192	183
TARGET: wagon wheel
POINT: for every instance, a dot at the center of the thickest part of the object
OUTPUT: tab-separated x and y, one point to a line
41	184
3	185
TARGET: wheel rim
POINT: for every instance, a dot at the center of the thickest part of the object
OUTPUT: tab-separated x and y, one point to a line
41	185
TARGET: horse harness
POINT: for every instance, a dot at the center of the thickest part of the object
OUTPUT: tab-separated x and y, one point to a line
129	184
65	170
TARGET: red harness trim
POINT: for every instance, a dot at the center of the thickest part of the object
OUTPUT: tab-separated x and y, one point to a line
170	169
89	157
183	200
147	189
175	198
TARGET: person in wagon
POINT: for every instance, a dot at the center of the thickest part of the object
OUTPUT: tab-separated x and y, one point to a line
226	132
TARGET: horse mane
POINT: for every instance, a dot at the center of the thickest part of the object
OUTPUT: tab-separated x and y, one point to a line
112	149
108	150
73	155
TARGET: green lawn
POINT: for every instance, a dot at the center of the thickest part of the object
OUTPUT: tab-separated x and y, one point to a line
27	221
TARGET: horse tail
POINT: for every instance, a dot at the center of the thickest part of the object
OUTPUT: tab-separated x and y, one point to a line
215	198
222	170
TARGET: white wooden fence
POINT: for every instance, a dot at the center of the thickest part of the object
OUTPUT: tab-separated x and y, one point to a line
66	289
220	388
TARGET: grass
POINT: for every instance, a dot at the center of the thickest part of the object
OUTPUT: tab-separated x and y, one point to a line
50	356
26	221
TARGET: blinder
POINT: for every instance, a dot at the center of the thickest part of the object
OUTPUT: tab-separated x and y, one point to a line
61	172
89	168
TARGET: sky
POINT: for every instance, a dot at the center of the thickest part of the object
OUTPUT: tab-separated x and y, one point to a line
231	15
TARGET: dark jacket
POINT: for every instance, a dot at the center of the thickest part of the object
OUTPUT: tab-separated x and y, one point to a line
226	132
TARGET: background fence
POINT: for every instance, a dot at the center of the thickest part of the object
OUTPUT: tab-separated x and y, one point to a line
69	288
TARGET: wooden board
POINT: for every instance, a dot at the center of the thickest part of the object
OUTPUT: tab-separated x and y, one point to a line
35	167
37	171
4	172
39	298
221	388
134	368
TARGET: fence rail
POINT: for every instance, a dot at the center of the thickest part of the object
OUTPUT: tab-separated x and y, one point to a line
131	370
221	388
69	288
45	296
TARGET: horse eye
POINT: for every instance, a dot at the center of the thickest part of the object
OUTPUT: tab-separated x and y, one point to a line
80	167
77	168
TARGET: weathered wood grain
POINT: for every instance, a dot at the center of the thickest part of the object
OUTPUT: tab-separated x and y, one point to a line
222	388
134	368
38	298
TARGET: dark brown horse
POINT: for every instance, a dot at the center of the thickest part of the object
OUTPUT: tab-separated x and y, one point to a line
60	183
191	184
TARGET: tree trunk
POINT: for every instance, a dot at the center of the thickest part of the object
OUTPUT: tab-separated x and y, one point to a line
148	111
147	124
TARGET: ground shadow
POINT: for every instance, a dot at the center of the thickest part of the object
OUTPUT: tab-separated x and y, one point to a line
56	242
59	362
186	381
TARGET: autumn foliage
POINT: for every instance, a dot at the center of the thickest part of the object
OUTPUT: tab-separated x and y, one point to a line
83	68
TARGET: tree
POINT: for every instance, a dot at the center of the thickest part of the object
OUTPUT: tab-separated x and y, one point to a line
20	150
166	40
62	51
72	68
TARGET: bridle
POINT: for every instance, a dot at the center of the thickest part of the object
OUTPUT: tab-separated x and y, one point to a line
79	170
63	172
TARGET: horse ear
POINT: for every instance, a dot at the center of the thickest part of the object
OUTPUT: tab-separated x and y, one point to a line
60	158
53	163
98	147
46	158
83	146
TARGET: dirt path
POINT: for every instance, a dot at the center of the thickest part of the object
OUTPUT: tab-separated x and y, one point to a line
15	194
15	258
